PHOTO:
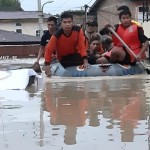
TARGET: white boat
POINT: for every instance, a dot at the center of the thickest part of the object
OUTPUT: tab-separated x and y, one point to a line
16	79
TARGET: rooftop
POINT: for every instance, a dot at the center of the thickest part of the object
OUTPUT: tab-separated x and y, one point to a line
13	38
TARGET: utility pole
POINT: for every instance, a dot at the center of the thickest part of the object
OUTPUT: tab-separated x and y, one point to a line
143	10
40	16
85	20
146	7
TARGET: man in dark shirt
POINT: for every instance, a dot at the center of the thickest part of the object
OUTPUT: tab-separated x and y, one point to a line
51	24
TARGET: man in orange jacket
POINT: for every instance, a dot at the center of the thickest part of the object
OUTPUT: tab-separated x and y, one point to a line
132	35
69	44
126	8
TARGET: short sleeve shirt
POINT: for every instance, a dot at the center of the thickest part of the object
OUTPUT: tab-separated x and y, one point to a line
45	38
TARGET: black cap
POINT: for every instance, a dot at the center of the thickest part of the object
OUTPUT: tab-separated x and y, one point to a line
92	23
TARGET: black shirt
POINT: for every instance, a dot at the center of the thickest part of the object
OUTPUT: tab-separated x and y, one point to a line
141	35
45	38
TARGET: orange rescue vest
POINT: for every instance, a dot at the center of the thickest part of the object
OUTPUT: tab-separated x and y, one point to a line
130	37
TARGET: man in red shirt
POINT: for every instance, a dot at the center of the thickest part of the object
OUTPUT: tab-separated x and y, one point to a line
69	44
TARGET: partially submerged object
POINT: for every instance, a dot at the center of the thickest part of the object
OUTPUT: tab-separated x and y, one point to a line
16	79
97	70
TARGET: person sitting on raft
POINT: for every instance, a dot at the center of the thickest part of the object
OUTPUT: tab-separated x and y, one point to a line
133	36
110	55
95	49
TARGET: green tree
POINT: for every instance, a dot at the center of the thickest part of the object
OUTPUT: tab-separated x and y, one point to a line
10	5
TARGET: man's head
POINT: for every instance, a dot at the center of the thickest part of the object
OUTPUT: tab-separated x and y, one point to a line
67	21
104	31
91	26
51	23
123	7
95	42
107	42
125	18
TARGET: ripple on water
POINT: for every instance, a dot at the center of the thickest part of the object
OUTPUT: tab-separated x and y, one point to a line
10	106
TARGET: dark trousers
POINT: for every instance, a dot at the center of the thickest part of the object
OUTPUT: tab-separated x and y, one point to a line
71	60
92	59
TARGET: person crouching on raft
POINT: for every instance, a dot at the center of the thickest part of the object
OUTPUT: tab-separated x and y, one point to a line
69	44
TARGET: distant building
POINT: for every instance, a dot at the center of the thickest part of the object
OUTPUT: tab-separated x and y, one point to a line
106	10
25	22
16	45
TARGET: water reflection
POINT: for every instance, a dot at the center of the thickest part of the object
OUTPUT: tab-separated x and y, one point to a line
110	114
116	109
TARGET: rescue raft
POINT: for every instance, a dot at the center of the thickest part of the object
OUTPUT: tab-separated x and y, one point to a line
97	70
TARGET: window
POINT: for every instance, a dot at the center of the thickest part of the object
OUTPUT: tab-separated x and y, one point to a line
37	32
141	9
142	18
19	30
18	24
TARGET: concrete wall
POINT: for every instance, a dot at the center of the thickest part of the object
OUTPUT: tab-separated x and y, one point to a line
146	27
18	51
28	27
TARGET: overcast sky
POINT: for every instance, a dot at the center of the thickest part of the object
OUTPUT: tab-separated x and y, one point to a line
57	6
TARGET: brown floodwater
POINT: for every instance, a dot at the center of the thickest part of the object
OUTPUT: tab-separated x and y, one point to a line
77	114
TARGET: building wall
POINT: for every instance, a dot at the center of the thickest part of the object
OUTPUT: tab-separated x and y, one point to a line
18	51
107	12
28	27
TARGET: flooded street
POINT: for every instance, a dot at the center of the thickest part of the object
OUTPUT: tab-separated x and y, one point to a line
89	113
76	114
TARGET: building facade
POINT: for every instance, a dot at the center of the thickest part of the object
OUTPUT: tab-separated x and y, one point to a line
106	11
25	22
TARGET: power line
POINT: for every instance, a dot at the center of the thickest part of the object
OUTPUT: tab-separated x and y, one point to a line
61	5
89	2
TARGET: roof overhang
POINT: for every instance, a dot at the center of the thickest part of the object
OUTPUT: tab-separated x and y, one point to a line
95	6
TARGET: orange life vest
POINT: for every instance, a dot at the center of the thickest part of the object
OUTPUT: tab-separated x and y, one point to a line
108	53
130	37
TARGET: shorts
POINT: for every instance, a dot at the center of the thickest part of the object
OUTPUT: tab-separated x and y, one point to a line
127	59
71	60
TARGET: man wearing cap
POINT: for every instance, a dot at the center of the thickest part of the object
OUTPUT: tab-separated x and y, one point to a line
91	28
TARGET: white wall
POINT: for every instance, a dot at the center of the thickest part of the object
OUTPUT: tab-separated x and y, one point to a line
146	27
28	27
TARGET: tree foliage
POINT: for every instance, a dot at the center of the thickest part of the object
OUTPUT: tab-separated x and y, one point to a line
6	5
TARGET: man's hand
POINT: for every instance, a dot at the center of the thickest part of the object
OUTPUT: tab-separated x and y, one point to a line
138	57
36	67
86	64
47	70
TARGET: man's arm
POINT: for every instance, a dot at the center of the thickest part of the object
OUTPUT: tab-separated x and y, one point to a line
81	44
144	41
48	54
50	48
83	48
40	53
43	43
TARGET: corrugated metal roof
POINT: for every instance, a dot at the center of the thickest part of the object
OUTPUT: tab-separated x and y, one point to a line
4	15
7	37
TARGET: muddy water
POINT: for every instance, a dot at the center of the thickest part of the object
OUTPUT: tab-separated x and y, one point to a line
77	114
